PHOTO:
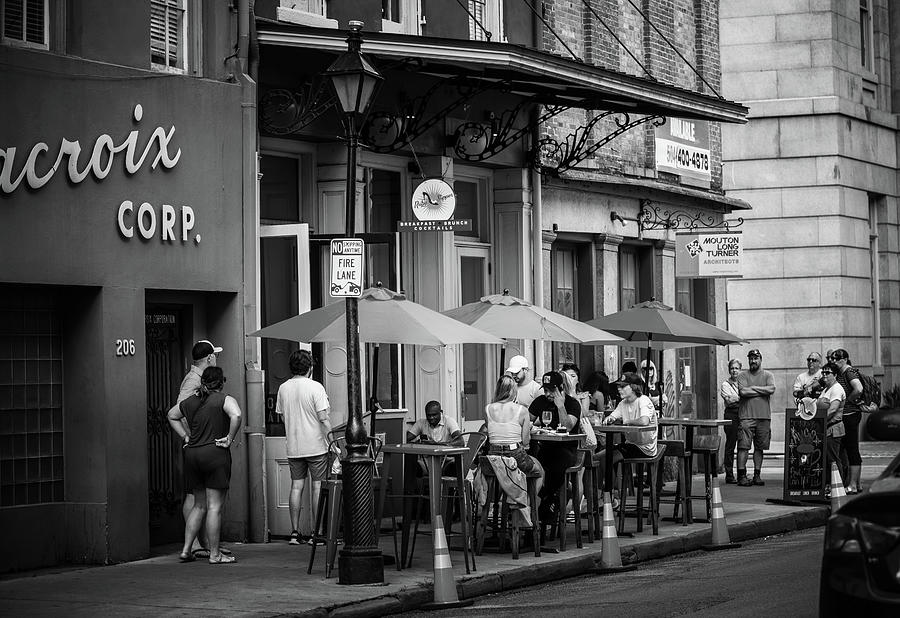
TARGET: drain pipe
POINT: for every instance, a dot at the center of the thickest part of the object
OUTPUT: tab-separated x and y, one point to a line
254	379
537	224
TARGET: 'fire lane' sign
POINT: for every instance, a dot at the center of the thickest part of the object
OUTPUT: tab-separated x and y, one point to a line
346	267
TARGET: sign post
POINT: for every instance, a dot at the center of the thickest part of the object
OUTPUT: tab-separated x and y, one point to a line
346	267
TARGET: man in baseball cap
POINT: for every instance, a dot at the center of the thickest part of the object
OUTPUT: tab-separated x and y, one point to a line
528	389
202	349
756	387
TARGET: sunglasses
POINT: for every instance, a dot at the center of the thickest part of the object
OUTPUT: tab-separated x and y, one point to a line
812	360
827	373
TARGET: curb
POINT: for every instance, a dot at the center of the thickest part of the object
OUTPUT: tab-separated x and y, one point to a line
480	585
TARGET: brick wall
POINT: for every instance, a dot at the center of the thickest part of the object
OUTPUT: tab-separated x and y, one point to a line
598	31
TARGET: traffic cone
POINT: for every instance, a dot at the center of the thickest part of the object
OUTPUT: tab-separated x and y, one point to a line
838	495
610	554
720	538
444	585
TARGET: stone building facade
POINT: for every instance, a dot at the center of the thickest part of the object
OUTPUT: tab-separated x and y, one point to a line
818	162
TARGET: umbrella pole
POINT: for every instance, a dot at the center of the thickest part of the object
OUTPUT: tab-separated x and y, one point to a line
373	400
502	358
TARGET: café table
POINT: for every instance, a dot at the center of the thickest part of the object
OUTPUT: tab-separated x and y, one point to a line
612	430
558	437
434	455
690	424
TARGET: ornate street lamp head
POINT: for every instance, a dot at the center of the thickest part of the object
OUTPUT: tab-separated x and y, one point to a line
353	77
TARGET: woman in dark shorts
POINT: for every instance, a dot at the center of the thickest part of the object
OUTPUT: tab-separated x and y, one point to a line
214	419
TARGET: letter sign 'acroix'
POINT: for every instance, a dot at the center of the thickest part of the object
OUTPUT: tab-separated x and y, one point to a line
104	148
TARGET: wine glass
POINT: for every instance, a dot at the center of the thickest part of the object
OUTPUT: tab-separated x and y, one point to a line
546	417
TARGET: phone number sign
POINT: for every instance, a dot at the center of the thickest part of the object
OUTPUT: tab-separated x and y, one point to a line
346	267
682	147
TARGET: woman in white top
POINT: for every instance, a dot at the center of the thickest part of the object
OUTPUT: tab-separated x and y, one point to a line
832	401
509	428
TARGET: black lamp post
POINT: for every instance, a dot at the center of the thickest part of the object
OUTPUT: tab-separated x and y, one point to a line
355	81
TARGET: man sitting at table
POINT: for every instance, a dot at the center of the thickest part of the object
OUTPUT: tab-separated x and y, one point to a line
435	428
555	457
635	408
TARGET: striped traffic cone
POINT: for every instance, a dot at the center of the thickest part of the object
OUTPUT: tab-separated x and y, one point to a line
720	537
610	554
444	585
838	496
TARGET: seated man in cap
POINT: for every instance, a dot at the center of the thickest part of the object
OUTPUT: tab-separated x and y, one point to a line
204	354
528	389
634	408
556	409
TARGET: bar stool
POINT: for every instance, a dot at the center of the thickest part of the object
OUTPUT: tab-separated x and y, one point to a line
571	476
639	463
591	494
707	447
511	528
682	495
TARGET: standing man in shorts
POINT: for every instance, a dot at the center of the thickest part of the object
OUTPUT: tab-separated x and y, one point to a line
304	405
755	386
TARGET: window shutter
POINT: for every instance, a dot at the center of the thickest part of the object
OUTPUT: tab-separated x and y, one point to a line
166	18
25	20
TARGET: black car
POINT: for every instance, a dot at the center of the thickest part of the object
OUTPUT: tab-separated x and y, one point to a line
861	562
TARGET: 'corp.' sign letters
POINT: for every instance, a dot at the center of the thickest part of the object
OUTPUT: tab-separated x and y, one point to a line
38	170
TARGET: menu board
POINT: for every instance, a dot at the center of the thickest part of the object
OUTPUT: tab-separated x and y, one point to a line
805	465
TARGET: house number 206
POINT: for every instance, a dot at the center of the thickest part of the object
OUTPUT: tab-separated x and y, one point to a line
124	347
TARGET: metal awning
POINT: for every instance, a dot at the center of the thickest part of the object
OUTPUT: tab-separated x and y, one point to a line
549	79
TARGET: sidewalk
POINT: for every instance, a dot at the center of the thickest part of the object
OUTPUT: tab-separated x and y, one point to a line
270	579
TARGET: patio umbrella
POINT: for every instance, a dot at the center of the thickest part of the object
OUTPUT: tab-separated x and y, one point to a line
661	327
384	317
513	318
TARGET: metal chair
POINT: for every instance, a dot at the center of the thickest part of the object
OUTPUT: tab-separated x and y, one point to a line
682	495
330	500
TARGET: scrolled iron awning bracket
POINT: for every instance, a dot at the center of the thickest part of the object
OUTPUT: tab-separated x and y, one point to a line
478	141
654	217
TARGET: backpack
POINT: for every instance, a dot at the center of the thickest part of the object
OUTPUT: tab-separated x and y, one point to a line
871	393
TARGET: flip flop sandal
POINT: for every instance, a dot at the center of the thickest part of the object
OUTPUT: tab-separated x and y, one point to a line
222	559
186	557
201	552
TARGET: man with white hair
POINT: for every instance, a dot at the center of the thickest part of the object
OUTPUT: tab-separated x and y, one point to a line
528	389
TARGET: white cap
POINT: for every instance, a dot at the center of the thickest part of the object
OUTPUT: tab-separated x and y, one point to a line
517	364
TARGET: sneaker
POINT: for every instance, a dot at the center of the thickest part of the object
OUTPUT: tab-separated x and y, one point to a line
295	538
744	482
317	541
758	481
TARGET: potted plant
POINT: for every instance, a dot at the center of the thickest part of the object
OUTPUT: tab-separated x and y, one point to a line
884	423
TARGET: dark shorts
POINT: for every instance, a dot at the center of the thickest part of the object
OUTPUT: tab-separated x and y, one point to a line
316	467
207	467
756	432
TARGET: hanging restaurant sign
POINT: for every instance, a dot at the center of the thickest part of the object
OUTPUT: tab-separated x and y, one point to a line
707	255
433	203
682	148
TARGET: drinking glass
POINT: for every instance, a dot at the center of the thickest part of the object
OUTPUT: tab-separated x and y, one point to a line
546	417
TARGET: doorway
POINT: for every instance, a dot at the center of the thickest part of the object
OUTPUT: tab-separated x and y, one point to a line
477	365
165	328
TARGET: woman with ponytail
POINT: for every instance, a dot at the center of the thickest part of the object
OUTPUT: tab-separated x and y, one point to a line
214	419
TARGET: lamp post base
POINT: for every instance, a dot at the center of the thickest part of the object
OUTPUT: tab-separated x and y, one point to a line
357	567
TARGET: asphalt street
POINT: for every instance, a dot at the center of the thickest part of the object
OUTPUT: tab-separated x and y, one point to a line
775	576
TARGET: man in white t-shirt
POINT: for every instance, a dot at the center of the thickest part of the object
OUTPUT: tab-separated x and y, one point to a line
635	408
304	405
832	400
527	389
